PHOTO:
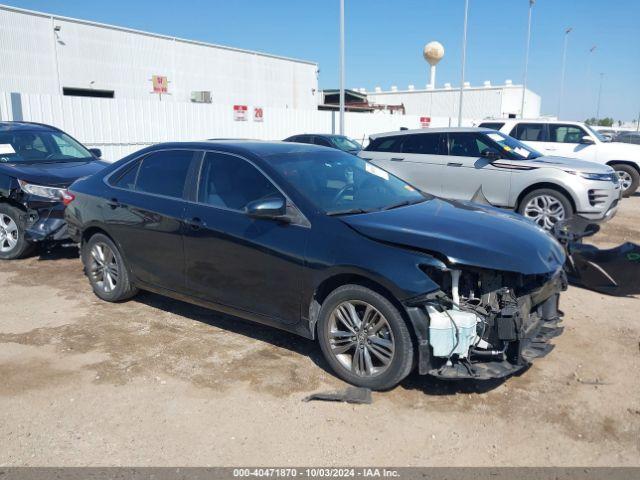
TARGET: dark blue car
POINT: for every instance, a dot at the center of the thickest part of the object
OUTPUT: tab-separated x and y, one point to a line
37	163
328	246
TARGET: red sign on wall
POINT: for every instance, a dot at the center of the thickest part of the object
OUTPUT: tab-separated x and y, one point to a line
240	113
425	122
258	114
160	84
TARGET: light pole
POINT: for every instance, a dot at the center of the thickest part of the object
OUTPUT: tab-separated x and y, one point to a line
341	67
599	95
464	59
526	58
564	59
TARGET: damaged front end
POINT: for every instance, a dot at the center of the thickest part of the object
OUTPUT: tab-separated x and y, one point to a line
485	324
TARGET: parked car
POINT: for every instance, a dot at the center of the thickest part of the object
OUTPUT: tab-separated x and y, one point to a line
37	163
461	163
328	246
628	137
576	140
340	142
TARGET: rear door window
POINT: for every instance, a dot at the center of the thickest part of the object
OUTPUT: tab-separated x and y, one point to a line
560	133
322	141
422	143
529	132
164	173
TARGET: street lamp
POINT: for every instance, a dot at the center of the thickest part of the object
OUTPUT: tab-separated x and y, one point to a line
464	59
526	58
599	95
564	60
341	67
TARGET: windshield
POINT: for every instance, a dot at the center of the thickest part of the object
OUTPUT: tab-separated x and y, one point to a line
512	148
339	183
40	146
346	144
597	134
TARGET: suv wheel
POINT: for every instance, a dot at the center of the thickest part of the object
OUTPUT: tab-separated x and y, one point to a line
364	338
629	178
546	207
105	267
12	242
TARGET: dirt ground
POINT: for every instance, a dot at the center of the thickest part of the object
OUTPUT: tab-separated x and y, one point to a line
157	382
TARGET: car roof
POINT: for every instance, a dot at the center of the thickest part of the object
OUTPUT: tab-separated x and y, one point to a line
530	120
326	135
24	126
257	148
431	130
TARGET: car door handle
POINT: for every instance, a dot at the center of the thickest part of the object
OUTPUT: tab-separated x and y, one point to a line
454	164
194	223
114	203
397	159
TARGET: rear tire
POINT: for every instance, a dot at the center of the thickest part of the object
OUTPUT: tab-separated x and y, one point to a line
364	338
106	270
13	245
629	178
545	207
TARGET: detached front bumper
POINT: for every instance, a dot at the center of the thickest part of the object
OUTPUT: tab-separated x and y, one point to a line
525	335
45	222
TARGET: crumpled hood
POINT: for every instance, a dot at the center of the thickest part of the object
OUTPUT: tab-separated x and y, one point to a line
57	174
562	163
467	234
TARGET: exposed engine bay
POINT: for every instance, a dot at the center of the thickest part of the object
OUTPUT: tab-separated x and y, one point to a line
486	324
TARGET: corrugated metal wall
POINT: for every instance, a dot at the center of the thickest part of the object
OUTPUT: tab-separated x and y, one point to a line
86	55
122	126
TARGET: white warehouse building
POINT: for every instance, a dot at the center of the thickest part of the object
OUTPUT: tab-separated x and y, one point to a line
48	54
478	103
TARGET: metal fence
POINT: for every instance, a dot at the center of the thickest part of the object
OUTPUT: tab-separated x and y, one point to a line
121	126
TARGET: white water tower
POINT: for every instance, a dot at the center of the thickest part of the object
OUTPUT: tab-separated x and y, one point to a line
433	53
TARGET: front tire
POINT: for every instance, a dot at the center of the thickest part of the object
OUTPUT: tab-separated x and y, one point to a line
545	207
364	338
13	244
106	270
629	178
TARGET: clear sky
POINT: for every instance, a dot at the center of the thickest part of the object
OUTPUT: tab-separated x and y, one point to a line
385	40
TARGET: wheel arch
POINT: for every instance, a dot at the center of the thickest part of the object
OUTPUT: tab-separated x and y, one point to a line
611	163
548	185
333	282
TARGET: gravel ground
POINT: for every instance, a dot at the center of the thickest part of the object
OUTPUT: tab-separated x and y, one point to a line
158	382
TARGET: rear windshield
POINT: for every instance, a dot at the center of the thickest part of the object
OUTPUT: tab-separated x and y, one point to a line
40	146
491	125
346	144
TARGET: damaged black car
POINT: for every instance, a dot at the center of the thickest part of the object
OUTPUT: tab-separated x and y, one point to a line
37	163
323	244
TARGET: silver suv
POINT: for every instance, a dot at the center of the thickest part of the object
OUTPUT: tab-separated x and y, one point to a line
461	163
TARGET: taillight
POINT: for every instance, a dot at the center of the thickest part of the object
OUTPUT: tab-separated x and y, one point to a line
67	197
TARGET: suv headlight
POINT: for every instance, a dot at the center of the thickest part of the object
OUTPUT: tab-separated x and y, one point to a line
603	177
53	193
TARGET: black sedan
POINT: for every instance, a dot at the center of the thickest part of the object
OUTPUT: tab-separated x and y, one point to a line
339	142
326	245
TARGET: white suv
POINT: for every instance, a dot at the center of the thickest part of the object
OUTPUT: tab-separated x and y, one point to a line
575	140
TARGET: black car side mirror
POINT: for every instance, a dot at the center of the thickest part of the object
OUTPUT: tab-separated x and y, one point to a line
274	207
96	152
490	155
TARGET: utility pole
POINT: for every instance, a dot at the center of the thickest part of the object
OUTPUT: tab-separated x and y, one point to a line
341	67
526	58
599	95
564	60
464	59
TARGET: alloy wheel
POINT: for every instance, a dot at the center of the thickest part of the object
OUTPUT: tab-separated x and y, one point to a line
8	233
625	179
103	268
361	339
545	210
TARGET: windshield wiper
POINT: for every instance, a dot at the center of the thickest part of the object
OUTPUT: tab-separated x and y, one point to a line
404	203
347	212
